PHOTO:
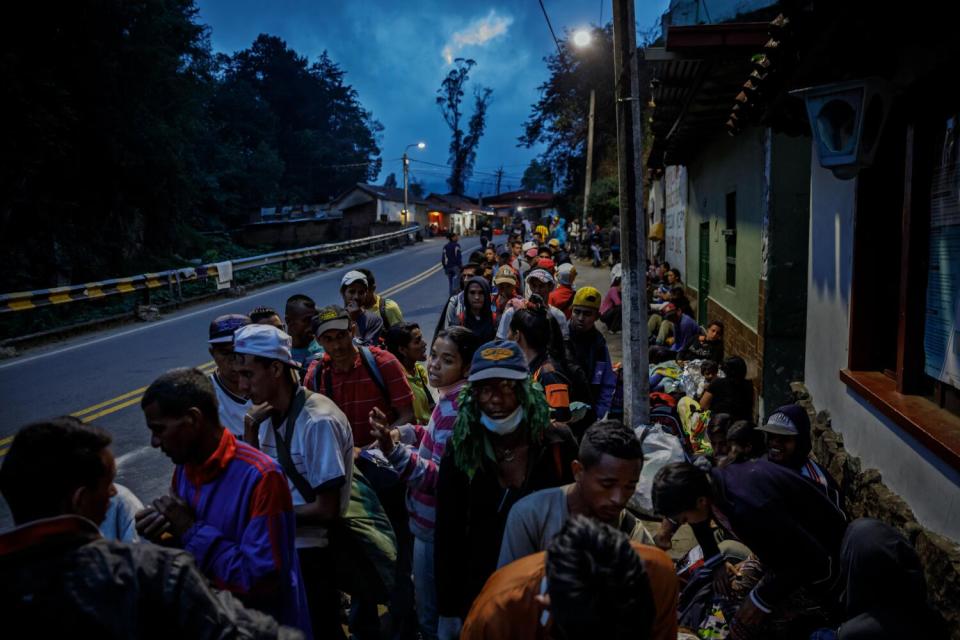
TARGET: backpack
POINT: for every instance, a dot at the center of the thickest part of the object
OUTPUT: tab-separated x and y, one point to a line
383	313
369	363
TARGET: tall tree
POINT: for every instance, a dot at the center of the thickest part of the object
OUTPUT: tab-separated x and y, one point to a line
537	177
98	168
558	120
463	145
391	181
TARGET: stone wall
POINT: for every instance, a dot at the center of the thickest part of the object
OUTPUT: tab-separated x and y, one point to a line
867	496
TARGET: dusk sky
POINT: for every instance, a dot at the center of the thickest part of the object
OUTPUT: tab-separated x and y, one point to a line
396	54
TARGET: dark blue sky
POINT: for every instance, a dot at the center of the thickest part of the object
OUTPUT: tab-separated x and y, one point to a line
395	55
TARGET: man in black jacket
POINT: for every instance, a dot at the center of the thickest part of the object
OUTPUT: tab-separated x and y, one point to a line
59	577
787	522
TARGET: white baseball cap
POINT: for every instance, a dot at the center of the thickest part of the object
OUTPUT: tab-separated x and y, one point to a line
353	276
528	245
266	341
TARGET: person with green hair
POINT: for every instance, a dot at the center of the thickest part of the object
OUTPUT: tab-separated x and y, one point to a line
503	448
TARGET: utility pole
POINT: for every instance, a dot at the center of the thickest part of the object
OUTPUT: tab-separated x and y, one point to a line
586	184
406	173
633	220
499	175
406	180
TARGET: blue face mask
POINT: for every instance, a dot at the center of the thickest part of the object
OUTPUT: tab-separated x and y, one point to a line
502	426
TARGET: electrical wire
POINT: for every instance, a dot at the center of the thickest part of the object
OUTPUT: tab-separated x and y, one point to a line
550	26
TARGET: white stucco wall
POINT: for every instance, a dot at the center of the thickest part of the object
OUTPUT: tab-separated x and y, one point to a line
930	487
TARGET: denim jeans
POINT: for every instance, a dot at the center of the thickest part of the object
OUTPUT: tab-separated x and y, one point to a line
453	277
425	588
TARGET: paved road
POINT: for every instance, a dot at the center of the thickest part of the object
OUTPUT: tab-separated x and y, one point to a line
101	376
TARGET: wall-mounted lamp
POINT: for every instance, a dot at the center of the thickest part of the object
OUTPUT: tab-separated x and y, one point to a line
846	119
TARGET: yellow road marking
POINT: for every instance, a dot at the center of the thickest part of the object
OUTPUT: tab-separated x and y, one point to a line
4	441
114	408
3	452
105	403
406	284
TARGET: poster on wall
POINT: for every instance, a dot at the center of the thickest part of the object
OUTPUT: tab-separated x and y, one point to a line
675	248
941	339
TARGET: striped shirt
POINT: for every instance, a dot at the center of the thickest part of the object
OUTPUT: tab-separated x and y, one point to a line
419	466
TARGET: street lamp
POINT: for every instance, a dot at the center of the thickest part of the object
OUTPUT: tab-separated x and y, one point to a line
582	40
406	173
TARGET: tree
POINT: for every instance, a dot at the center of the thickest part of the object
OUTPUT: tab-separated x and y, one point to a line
537	177
391	181
322	135
559	118
416	188
99	166
463	145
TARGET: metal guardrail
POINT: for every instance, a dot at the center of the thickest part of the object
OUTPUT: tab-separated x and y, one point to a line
24	300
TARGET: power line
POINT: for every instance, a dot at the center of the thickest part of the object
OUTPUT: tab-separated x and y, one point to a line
474	171
550	26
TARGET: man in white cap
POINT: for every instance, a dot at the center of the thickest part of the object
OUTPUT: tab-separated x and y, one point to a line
311	439
232	405
539	283
354	289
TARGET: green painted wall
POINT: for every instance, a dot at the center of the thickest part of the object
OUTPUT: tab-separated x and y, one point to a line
726	165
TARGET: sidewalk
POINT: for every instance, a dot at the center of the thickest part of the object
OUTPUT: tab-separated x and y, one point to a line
599	277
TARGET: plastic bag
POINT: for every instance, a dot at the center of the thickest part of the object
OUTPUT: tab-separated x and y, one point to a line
659	449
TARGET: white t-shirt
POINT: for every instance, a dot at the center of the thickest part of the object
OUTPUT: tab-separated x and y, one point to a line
322	451
232	407
504	328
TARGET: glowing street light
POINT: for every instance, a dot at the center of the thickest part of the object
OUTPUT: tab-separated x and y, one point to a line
582	38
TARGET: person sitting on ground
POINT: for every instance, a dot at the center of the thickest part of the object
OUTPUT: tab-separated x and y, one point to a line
562	297
673	329
605	473
592	582
709	369
59	578
732	394
590	352
309	437
789	444
231	404
298	317
358	378
354	290
539	284
531	330
705	346
418	463
611	309
503	448
478	314
405	341
717	437
506	282
745	441
388	310
229	505
266	315
786	521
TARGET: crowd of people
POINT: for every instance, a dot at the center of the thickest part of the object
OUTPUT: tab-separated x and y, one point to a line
339	473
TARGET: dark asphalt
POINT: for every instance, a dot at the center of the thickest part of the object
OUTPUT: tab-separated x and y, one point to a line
77	374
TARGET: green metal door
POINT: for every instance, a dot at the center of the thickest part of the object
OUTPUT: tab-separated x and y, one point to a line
704	280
